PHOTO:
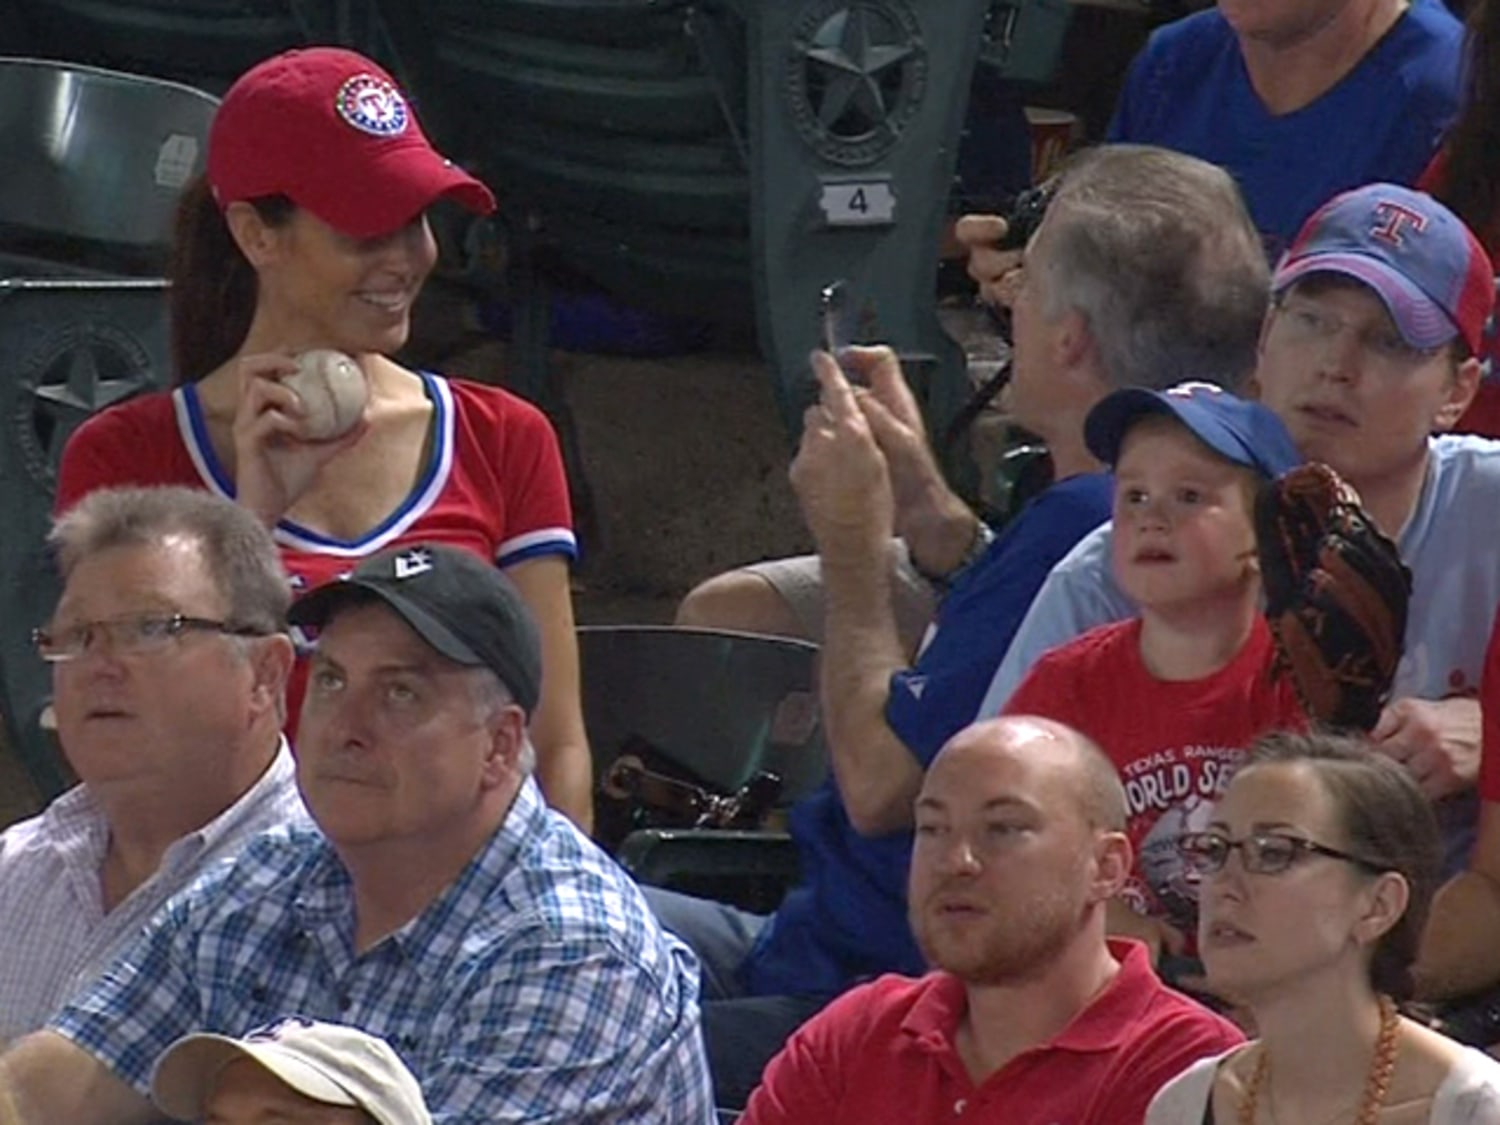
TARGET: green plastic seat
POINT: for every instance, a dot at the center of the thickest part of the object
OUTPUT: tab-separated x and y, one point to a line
722	704
718	707
75	338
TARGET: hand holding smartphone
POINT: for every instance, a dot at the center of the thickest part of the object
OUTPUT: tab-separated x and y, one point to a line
833	327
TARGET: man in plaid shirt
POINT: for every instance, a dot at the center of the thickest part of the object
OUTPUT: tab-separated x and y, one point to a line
441	907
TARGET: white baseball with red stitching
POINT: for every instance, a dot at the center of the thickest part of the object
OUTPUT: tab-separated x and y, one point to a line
333	391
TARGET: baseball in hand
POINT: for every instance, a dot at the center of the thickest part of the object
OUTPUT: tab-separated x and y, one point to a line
333	392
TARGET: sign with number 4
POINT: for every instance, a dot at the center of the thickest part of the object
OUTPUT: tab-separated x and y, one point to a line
863	203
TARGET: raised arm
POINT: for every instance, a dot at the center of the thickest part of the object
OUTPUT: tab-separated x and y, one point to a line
843	482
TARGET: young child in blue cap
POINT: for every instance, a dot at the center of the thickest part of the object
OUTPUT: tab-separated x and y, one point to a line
1175	694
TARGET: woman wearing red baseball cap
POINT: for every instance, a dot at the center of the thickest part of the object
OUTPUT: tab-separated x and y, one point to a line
308	232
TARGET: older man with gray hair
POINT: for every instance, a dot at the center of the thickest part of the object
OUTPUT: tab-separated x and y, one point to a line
441	905
169	655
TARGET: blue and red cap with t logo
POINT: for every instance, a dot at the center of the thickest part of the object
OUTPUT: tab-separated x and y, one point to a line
1426	266
331	131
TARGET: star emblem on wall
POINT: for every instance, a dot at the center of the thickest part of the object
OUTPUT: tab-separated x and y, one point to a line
82	374
855	74
853	54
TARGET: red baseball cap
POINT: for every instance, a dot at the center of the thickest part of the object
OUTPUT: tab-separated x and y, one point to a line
333	132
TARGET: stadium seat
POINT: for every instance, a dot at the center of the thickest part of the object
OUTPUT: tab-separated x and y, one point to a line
96	161
715	711
206	43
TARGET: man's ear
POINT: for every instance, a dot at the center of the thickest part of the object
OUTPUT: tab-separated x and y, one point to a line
507	742
257	239
1072	342
1461	391
1113	858
271	666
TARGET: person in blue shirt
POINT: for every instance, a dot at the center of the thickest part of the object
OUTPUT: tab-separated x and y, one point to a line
1146	270
1298	99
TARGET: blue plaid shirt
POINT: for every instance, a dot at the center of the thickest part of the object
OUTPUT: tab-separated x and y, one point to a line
537	988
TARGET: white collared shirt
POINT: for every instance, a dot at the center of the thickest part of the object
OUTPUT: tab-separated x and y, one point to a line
54	932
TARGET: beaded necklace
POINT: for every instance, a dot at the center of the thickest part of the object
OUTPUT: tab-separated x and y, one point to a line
1377	1083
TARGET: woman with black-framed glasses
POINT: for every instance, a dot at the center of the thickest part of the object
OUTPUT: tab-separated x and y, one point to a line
1316	874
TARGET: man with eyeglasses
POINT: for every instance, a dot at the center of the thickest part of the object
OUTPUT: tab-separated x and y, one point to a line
1367	354
169	657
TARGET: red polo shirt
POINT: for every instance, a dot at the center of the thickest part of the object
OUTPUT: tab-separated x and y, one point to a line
884	1052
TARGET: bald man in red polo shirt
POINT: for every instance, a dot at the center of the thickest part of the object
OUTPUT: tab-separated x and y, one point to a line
1031	1017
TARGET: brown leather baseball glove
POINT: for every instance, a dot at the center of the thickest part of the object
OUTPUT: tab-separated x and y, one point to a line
1336	595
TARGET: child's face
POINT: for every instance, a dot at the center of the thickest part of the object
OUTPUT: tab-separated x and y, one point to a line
1183	528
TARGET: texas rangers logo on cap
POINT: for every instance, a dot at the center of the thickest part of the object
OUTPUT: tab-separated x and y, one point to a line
1392	218
372	105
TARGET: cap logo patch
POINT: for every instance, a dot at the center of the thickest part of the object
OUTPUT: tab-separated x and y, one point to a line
412	563
1194	387
372	105
1391	219
269	1033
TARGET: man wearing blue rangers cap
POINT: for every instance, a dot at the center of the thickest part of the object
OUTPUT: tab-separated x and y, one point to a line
442	906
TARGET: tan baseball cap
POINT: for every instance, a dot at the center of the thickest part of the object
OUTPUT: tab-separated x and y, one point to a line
326	1062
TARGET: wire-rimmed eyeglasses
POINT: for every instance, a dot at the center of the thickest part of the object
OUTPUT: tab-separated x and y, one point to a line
132	634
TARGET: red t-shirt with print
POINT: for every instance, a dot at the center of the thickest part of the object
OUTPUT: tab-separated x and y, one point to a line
1175	743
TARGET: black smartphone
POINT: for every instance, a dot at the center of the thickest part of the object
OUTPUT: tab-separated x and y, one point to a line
831	316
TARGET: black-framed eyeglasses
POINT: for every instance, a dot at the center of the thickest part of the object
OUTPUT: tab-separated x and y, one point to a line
1263	853
133	634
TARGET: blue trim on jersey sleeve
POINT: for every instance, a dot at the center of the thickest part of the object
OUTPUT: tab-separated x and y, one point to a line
567	548
205	448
